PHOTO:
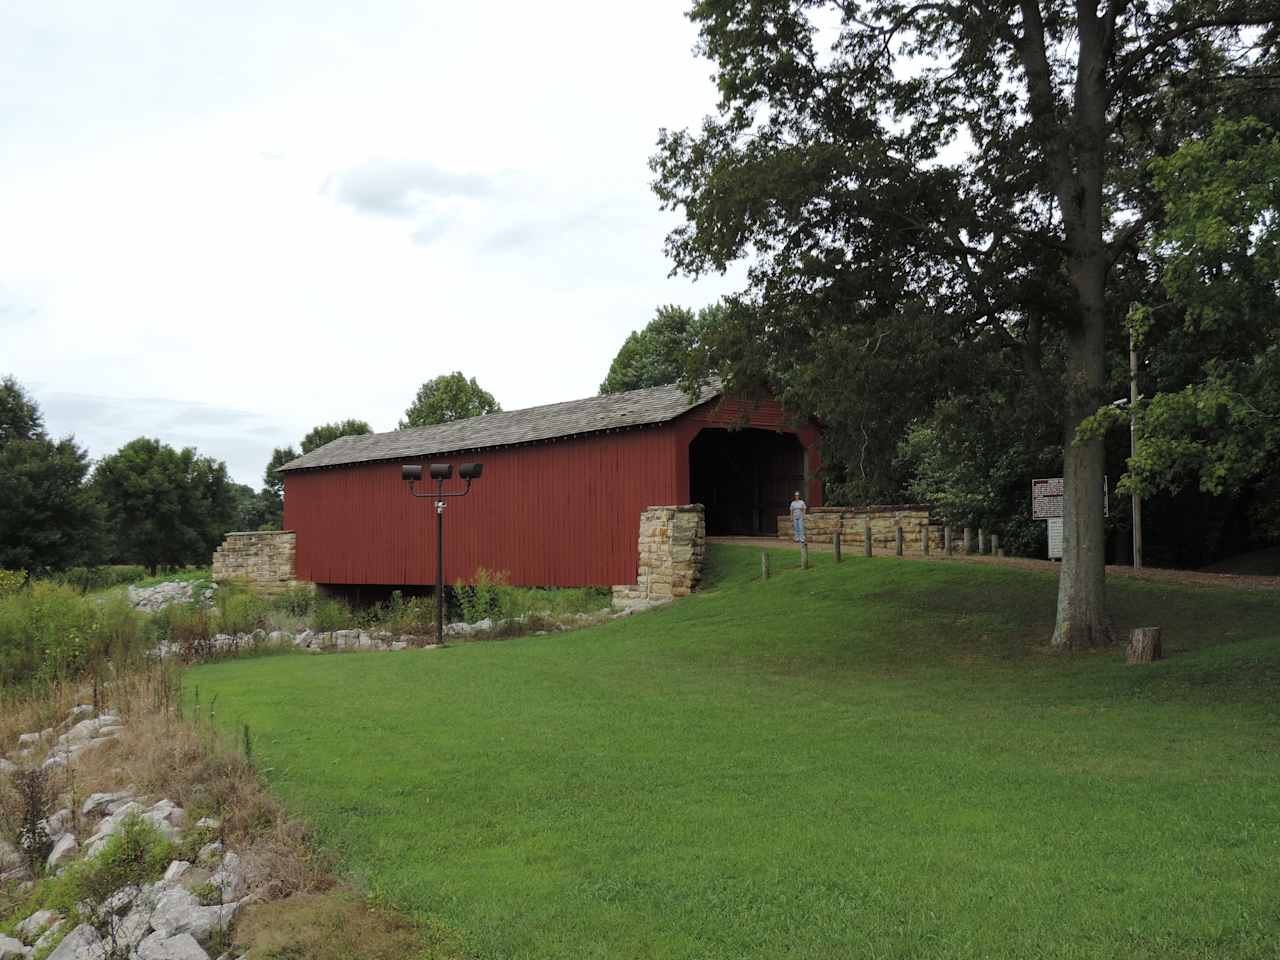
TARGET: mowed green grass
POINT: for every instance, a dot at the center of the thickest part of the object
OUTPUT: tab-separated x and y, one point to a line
873	759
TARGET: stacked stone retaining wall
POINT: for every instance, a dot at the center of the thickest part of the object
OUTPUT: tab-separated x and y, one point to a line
265	559
673	543
821	524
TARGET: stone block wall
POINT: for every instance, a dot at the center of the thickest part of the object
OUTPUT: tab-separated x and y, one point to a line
264	559
821	524
673	543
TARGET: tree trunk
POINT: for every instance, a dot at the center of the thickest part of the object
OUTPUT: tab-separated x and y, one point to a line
1144	645
1081	620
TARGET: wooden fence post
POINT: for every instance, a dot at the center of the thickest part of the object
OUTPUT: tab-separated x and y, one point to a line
835	546
866	536
982	541
946	539
764	565
968	540
898	539
804	556
995	545
1144	645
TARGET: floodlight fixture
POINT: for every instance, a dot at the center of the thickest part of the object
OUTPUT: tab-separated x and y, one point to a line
440	472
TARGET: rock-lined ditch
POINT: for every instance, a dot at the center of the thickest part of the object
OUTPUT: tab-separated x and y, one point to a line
176	917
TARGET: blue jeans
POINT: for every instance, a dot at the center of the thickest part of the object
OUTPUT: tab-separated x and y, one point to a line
797	523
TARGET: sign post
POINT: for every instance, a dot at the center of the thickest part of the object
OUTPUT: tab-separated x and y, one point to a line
1046	504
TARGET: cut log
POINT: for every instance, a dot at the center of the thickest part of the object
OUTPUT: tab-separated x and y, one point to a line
1144	645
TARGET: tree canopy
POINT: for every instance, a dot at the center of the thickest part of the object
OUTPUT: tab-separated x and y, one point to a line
328	432
49	520
449	397
659	354
165	506
912	184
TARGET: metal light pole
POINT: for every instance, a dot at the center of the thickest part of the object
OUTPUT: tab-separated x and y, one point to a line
1133	447
440	472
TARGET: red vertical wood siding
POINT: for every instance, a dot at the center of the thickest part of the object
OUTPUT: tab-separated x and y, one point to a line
557	513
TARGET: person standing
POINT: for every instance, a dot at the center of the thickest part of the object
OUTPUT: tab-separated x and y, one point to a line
798	508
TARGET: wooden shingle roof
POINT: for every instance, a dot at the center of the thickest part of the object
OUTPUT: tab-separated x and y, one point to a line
614	411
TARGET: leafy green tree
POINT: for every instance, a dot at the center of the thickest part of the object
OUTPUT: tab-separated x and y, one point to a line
448	397
20	418
842	175
49	520
659	354
164	506
270	509
328	432
1215	423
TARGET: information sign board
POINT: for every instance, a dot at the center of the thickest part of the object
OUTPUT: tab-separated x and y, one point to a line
1046	498
1055	538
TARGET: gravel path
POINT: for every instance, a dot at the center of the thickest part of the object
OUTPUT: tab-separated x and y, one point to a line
1194	577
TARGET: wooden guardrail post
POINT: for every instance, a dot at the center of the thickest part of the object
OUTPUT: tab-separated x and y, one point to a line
897	536
982	541
835	546
866	536
995	546
764	565
946	539
924	538
804	556
968	540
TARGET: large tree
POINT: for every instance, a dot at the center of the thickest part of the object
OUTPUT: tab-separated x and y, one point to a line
269	510
659	354
971	171
164	506
49	520
449	397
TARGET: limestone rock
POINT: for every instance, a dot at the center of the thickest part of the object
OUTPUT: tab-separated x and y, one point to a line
36	924
176	870
47	937
100	801
178	911
208	823
231	878
181	947
82	943
7	766
210	851
11	949
64	851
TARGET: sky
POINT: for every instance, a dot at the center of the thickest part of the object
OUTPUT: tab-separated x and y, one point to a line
223	224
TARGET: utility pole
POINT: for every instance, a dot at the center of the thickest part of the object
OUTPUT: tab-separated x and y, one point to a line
1133	447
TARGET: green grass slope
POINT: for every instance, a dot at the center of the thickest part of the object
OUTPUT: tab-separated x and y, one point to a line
872	759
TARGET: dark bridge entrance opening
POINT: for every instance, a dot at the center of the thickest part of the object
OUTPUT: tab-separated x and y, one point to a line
744	478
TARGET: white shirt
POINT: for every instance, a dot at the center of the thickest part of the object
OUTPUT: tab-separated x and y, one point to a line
798	508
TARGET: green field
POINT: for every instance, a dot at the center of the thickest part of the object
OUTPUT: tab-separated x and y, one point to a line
873	759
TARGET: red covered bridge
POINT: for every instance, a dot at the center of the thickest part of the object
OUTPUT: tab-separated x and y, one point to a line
563	487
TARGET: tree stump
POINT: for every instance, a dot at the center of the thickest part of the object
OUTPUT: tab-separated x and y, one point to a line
1144	645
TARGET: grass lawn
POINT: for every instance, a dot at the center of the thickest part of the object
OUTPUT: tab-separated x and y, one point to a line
873	759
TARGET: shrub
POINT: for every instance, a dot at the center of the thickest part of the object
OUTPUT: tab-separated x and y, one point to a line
240	610
417	615
331	614
297	600
99	578
11	581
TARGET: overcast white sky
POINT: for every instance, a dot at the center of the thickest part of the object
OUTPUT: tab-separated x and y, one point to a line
224	223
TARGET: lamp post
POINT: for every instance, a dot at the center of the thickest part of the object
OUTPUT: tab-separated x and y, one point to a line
440	472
